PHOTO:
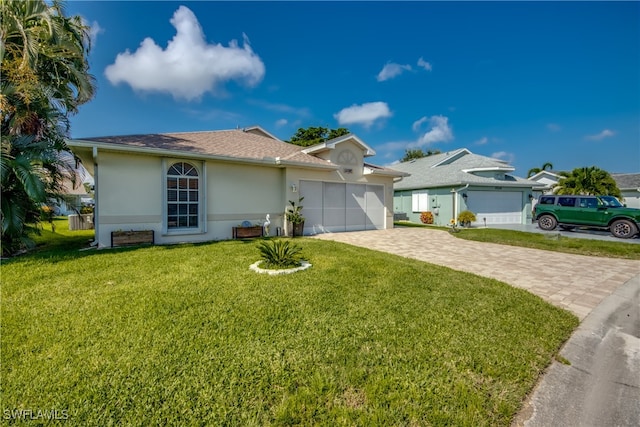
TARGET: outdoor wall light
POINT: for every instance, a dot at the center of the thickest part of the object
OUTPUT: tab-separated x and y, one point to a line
530	197
465	196
294	189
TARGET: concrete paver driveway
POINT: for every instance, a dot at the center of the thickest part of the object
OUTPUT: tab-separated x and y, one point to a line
575	282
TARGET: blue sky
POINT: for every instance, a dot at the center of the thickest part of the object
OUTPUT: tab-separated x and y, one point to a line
526	82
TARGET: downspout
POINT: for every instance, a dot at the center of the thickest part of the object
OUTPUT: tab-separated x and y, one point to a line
96	216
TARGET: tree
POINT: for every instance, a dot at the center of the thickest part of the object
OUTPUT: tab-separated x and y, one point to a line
545	167
45	78
588	181
315	135
417	153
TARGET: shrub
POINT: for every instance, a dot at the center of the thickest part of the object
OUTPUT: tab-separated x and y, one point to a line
279	253
466	218
426	217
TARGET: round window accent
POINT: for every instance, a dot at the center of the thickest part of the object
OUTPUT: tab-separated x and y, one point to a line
346	157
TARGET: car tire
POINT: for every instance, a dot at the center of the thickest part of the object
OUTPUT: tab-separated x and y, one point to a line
547	222
623	229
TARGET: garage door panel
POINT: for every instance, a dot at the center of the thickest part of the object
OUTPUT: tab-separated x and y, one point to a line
312	206
496	207
375	207
335	207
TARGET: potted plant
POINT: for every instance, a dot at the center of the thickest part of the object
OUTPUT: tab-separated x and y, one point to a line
295	218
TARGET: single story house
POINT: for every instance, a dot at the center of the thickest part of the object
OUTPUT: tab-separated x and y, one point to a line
197	186
446	184
628	183
73	198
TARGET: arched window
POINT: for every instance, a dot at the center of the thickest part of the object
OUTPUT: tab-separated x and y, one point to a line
183	185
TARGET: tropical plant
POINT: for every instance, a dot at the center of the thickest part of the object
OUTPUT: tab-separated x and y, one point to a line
45	78
545	167
294	212
426	217
588	181
279	253
466	218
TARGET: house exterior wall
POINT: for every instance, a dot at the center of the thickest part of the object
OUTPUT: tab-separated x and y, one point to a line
631	198
131	197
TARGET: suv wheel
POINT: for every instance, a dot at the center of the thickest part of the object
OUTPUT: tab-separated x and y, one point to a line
547	222
623	229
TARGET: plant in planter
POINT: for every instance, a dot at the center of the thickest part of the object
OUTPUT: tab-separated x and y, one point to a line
465	218
295	218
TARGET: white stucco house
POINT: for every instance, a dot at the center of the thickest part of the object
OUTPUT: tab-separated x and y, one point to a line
196	186
449	183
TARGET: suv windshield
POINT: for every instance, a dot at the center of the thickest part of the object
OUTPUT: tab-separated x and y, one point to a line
611	202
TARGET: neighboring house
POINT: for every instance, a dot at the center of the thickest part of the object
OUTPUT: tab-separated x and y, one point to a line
449	183
628	183
196	186
73	197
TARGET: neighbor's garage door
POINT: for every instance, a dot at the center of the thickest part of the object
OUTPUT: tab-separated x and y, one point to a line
498	207
331	207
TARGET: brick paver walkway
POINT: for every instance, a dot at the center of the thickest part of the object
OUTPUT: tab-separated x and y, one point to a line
574	282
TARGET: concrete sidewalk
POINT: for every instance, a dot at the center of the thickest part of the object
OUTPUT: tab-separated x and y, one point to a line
575	282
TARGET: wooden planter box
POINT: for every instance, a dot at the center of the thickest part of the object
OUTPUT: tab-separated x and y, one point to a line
128	238
247	232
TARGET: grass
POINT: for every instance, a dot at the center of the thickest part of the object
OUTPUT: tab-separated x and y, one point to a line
590	247
599	248
187	335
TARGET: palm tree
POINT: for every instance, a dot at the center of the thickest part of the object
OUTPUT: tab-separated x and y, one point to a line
588	181
545	167
45	78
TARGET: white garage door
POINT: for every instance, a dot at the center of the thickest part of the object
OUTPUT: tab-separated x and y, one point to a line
498	207
332	207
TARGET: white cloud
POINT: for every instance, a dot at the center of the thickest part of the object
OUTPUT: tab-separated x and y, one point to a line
424	64
481	141
391	70
554	127
503	155
600	136
189	66
364	114
416	125
281	122
440	131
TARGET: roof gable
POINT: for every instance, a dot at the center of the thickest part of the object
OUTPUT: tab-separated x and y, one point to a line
332	143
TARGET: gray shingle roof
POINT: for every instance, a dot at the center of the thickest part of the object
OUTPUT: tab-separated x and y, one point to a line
448	169
627	180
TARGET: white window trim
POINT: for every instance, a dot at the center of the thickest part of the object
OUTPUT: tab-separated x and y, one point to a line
420	201
202	203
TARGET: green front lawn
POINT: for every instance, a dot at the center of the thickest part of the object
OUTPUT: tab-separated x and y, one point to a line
187	335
